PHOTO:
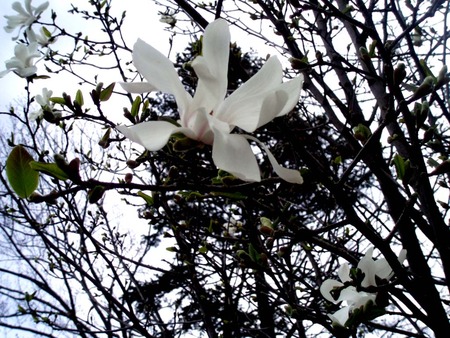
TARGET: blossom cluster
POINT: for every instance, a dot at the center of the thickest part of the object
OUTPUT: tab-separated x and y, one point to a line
22	63
210	116
356	287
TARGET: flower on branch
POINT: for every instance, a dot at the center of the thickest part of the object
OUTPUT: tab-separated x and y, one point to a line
210	116
45	103
22	63
25	16
379	269
348	290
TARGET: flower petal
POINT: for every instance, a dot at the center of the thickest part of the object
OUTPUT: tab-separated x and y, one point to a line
368	267
293	89
328	286
232	153
344	273
341	316
211	67
158	70
137	87
289	175
152	135
242	107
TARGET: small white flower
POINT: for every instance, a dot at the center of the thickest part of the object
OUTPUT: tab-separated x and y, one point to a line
45	103
209	116
336	292
22	63
376	268
352	300
25	17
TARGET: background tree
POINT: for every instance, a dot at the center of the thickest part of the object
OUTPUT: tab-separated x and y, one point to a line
243	259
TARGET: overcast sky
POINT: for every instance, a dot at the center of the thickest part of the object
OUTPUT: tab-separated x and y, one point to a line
142	22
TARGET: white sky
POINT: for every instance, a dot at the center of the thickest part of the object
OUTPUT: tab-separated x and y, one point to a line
142	21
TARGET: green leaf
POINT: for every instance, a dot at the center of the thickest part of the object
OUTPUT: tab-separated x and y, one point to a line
147	198
51	169
29	296
399	163
135	107
47	33
253	253
22	178
59	100
79	98
106	93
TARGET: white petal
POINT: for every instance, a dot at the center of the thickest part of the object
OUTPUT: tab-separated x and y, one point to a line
289	175
349	295
293	89
137	87
26	72
152	135
344	273
382	268
341	316
244	104
328	286
4	72
41	8
159	72
211	67
232	153
257	111
368	267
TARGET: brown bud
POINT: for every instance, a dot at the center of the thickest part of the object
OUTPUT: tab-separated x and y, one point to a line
128	178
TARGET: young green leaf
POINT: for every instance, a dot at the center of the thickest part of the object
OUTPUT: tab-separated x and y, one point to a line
22	178
106	93
147	198
51	169
135	107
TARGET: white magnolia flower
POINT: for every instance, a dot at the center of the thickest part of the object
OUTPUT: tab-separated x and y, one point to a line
379	268
25	16
335	291
352	300
209	116
22	63
45	103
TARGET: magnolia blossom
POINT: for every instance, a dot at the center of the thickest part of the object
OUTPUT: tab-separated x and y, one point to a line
352	300
343	291
210	116
25	16
376	268
22	63
336	292
45	103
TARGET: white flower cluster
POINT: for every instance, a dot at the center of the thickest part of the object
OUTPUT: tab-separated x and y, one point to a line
351	295
22	63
